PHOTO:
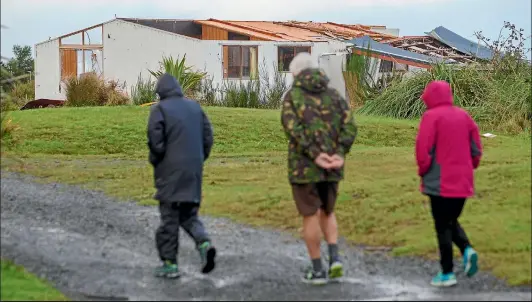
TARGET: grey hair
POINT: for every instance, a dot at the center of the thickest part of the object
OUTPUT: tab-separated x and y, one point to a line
302	61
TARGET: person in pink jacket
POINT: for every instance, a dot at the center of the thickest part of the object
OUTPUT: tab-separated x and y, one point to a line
448	149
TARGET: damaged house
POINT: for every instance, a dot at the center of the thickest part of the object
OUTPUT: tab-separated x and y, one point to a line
122	49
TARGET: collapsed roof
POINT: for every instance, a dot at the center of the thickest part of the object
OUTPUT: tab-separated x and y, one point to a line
365	43
445	44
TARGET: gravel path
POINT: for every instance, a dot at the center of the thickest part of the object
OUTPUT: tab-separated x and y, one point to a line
87	244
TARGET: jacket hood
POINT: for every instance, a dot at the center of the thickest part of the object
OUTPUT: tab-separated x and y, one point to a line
167	86
312	80
437	93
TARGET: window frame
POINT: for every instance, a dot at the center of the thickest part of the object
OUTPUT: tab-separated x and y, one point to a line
225	61
294	47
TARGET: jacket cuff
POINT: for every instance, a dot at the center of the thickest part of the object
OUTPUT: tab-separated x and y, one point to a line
313	152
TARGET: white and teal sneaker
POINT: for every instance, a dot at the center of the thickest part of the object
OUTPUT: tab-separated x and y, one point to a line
470	262
444	280
167	270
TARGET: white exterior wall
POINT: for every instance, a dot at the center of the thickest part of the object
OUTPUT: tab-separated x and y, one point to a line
48	71
131	49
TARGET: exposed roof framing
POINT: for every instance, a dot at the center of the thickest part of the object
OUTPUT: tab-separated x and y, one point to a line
430	46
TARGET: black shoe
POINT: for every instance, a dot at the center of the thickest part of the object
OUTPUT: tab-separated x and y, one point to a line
315	278
207	254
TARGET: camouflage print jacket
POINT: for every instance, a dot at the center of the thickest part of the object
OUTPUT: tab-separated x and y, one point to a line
316	119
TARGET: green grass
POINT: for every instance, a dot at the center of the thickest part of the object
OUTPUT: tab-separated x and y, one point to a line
379	203
19	285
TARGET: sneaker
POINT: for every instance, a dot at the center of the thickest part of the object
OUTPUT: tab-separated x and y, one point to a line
336	270
444	280
207	253
315	278
167	270
470	262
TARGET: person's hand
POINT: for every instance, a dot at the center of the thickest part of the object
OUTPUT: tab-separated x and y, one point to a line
337	162
324	161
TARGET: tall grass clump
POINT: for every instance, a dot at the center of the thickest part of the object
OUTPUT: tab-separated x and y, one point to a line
262	91
208	93
359	78
91	90
143	92
272	88
243	94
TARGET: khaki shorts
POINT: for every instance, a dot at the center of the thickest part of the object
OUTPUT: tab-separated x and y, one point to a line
313	196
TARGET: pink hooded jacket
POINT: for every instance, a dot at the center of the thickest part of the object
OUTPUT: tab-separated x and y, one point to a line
448	146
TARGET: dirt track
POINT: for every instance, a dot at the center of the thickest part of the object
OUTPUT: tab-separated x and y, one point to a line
87	244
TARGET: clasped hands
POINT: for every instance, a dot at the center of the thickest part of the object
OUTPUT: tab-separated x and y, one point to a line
329	162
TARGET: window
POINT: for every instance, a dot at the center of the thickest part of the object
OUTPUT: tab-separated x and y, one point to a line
287	53
389	66
386	66
76	62
81	52
240	62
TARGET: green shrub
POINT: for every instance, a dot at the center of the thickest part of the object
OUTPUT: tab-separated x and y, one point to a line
188	79
90	90
143	92
23	92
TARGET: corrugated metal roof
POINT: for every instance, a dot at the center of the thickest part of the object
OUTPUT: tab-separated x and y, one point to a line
366	43
460	43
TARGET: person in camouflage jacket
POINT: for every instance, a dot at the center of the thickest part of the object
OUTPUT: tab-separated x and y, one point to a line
321	130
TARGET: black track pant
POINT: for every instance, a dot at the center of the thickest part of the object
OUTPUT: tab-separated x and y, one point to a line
446	212
173	216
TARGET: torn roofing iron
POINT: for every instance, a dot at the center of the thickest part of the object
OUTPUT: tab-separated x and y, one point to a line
430	46
460	43
366	43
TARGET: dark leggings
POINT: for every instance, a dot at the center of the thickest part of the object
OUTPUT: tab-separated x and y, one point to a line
445	212
173	216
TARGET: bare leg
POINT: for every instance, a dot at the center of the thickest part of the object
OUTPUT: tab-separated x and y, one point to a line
312	234
329	227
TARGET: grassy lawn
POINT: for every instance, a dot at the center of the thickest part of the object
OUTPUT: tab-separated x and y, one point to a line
379	204
19	285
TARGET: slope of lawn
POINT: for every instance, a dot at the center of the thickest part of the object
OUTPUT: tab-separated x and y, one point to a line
105	148
19	285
